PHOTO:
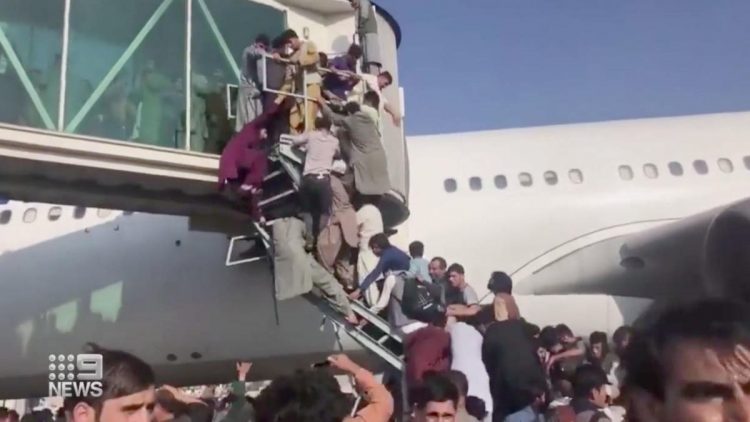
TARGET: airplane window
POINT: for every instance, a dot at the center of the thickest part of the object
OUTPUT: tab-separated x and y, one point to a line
746	159
475	183
651	171
700	167
626	172
576	176
450	185
501	182
676	168
525	179
79	212
550	177
102	213
725	165
5	216
54	213
29	215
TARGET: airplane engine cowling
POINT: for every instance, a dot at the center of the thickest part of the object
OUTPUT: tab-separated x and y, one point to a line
704	254
727	252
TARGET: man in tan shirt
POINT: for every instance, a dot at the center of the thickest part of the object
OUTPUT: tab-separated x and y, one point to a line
305	56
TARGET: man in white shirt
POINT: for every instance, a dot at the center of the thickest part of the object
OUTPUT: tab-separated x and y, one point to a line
466	350
376	83
370	223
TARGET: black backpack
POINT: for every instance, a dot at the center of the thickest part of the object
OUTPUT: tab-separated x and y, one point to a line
420	301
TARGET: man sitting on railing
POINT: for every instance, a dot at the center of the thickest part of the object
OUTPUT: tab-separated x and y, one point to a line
376	84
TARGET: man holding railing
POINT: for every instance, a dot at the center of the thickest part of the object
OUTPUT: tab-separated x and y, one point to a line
305	56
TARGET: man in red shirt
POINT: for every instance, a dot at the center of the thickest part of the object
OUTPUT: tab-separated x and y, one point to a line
427	349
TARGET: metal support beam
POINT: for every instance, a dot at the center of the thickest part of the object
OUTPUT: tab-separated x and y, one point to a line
64	68
188	74
25	81
219	38
117	67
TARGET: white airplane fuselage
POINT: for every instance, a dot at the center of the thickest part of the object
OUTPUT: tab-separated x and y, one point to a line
148	284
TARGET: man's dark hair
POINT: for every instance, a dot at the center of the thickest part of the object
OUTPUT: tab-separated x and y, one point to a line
323	123
548	337
456	268
380	240
588	377
621	333
4	412
476	407
440	260
416	249
500	283
351	108
563	331
598	337
124	374
288	35
531	330
305	396
263	39
355	51
435	388
459	380
372	99
323	59
721	322
438	318
169	402
387	75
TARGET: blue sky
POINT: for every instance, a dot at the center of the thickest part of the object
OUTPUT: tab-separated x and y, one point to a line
488	64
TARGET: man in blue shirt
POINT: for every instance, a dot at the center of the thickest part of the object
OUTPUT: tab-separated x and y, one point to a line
419	267
392	259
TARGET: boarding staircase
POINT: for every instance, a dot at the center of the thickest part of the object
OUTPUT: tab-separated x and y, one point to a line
280	199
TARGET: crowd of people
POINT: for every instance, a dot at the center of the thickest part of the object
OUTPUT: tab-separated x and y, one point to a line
687	362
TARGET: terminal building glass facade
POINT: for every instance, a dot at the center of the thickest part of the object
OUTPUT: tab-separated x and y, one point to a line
127	70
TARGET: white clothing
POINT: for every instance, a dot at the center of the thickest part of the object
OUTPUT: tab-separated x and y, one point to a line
466	349
370	223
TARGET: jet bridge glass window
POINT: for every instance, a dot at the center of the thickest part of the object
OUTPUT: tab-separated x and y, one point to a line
676	169
501	182
5	216
475	183
700	167
450	185
651	171
725	165
550	177
626	172
525	180
575	176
